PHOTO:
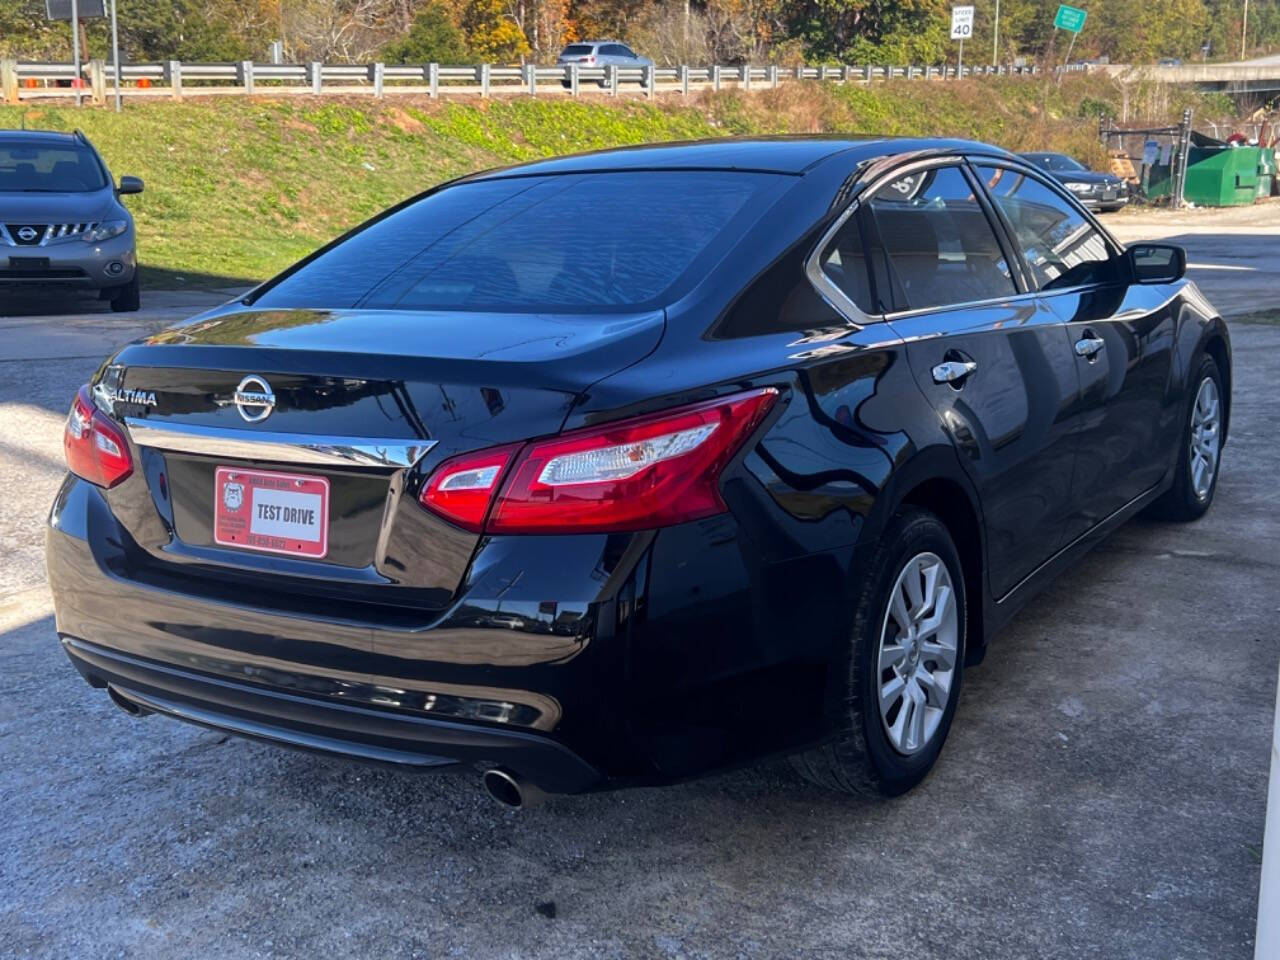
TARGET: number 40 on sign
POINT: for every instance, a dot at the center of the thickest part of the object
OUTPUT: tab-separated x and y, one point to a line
961	23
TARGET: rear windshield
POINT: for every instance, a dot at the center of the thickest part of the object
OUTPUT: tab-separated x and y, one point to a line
576	50
562	243
30	167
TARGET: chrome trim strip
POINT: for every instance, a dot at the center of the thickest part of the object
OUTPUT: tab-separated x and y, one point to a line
989	302
831	293
302	448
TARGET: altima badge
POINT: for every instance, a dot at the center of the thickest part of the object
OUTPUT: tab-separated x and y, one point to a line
254	399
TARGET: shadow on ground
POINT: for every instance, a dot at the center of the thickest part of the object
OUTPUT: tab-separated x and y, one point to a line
57	301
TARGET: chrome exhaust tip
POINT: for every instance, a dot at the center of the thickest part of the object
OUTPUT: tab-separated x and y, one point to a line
509	790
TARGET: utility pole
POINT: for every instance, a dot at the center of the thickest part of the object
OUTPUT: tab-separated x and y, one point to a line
76	80
115	53
995	42
1244	29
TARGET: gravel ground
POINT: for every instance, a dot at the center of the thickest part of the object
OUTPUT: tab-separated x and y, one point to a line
1102	793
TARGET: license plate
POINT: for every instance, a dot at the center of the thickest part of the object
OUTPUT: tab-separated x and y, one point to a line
1108	194
29	263
273	512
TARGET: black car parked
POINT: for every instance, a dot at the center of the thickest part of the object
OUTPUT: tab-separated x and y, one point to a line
1097	191
760	473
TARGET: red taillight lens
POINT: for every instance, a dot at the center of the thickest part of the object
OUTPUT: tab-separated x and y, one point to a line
95	447
461	489
636	474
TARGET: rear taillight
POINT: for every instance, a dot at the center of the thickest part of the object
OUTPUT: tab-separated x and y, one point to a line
636	474
95	447
461	489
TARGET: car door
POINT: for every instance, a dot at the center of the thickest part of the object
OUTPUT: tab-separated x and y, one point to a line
993	362
1125	418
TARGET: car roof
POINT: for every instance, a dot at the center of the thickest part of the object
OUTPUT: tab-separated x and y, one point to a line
787	155
48	136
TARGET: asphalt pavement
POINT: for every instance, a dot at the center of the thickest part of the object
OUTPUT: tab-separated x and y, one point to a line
1102	793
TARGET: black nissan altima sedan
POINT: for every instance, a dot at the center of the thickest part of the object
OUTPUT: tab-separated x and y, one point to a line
755	465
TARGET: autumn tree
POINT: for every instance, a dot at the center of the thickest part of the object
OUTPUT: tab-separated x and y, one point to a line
433	37
492	34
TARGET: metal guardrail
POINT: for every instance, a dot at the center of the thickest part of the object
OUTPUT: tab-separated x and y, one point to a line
21	81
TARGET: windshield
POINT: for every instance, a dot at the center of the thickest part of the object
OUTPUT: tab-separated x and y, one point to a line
28	166
580	242
1059	162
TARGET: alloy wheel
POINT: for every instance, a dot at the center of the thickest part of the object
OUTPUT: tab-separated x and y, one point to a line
917	656
1205	438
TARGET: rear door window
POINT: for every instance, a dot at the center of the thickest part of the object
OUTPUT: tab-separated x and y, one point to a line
1059	245
844	264
940	246
563	243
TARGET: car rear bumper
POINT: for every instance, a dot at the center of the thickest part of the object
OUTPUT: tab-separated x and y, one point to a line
360	733
451	688
71	263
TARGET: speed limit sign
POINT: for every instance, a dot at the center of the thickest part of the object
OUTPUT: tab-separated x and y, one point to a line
961	23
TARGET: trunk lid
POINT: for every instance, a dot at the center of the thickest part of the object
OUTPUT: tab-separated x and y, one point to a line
367	403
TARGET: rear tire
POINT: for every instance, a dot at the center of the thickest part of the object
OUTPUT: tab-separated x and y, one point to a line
127	298
914	576
1195	478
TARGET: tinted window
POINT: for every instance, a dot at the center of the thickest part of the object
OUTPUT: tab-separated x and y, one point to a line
577	50
844	262
941	247
1059	245
527	244
35	167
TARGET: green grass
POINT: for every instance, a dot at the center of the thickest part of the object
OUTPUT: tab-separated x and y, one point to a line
240	188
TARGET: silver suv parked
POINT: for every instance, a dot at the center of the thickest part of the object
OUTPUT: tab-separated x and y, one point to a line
61	220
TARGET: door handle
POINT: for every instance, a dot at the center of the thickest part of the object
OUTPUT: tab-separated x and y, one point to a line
1088	347
953	371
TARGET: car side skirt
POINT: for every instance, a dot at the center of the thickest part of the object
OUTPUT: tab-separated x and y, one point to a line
1001	611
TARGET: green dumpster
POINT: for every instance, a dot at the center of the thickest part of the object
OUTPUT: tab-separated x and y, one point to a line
1223	176
1218	175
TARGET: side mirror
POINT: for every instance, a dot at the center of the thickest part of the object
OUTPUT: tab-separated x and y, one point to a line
130	185
1157	262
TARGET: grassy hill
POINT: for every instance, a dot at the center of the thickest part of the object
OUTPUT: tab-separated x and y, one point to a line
240	188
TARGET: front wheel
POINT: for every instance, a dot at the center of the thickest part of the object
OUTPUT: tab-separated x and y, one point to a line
903	666
1195	478
127	298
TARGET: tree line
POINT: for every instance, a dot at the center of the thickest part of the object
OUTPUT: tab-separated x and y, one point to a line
670	31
